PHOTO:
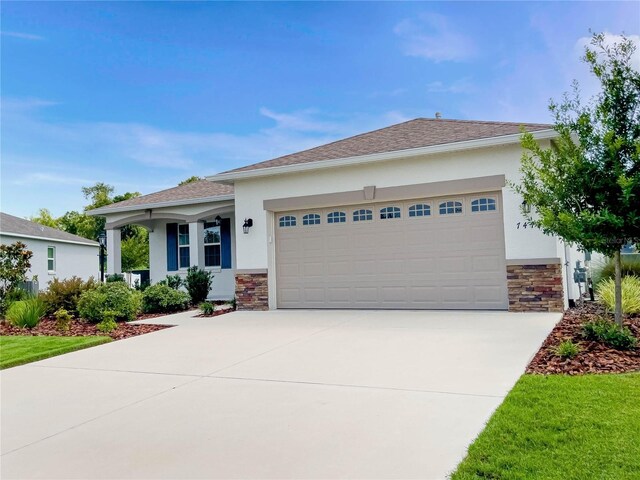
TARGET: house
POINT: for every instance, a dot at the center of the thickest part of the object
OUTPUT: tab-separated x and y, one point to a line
418	215
56	254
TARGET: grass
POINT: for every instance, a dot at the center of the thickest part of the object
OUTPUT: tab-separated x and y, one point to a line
561	427
18	350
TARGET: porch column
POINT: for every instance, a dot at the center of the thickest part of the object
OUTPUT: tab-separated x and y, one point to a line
196	244
114	256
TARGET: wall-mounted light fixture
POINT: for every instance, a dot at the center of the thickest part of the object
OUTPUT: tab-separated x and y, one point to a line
248	223
217	221
526	208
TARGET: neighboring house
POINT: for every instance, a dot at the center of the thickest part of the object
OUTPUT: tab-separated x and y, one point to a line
418	215
56	254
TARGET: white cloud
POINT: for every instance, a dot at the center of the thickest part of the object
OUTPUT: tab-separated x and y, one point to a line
464	86
609	40
432	37
22	35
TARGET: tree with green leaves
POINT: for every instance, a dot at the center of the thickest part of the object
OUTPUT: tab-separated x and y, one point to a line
191	179
585	188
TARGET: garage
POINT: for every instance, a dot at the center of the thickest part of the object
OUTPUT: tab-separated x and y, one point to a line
429	253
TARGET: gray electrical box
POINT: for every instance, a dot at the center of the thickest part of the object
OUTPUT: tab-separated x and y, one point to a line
579	274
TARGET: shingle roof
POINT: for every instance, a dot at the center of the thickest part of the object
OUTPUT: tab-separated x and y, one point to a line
19	226
200	189
421	132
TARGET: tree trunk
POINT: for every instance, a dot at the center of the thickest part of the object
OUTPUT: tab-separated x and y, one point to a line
618	291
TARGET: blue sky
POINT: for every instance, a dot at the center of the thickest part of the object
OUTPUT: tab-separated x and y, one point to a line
143	95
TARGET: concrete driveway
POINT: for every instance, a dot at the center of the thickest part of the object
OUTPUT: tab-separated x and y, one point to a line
283	394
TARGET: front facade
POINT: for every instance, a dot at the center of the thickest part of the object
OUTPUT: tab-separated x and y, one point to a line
409	217
56	254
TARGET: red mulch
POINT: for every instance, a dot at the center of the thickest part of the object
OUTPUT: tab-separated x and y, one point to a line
594	357
79	328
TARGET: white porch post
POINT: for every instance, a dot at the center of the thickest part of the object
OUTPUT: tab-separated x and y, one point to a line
196	244
114	256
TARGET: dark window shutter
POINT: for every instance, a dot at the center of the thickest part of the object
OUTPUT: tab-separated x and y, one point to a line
172	247
225	242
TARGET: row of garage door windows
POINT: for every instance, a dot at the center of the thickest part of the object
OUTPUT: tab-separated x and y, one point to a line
450	207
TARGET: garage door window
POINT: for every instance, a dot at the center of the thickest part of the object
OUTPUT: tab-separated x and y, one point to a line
389	212
311	219
362	215
419	210
483	205
336	217
451	207
288	221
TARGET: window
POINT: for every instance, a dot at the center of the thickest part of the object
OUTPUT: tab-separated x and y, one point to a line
336	217
51	259
311	219
483	205
288	221
450	207
212	241
389	212
183	246
362	214
419	210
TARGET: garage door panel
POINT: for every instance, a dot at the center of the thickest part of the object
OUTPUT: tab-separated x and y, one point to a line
437	261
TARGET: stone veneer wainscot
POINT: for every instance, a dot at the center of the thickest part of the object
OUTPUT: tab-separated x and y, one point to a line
252	292
535	286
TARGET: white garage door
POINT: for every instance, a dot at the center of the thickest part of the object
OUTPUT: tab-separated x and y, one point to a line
438	253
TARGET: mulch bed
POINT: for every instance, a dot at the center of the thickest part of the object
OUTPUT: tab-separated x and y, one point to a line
79	328
594	357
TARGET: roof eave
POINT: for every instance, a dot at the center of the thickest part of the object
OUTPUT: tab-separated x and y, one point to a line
230	177
88	243
146	206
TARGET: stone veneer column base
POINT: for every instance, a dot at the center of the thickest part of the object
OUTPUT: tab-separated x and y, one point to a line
535	288
252	291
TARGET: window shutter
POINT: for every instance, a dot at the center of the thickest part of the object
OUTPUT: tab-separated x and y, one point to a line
172	247
225	242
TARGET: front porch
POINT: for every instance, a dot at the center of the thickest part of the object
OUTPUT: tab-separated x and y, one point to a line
201	234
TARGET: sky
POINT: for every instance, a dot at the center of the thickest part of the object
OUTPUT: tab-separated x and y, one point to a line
141	95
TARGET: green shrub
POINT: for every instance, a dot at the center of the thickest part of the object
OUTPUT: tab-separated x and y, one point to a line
141	286
108	323
64	294
115	277
63	320
607	332
160	298
14	295
26	313
630	294
605	271
115	296
567	349
174	281
198	283
207	308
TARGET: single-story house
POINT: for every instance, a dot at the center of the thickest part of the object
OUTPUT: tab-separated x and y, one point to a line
418	215
56	254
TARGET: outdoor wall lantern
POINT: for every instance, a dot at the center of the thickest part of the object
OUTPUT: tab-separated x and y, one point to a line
102	240
217	221
526	208
248	223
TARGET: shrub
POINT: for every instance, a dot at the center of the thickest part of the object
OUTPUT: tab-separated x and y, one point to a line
64	294
607	332
630	294
108	323
174	281
63	320
26	313
606	271
567	349
141	286
160	298
207	308
198	283
114	277
12	296
115	296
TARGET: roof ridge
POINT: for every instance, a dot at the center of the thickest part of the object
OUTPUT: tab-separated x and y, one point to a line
44	229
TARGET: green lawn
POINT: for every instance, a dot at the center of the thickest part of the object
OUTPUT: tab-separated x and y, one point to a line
17	350
561	427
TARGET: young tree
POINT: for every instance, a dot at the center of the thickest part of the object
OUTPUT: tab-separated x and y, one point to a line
191	179
586	187
15	261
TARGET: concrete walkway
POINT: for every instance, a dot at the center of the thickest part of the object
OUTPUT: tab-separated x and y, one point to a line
283	394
